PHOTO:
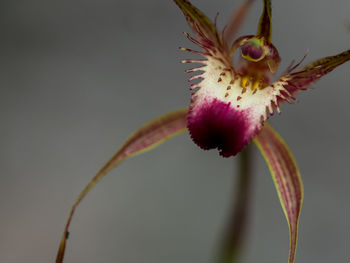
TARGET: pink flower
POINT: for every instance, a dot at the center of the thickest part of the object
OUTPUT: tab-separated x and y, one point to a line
230	105
232	101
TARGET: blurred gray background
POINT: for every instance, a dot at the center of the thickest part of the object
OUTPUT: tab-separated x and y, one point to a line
78	76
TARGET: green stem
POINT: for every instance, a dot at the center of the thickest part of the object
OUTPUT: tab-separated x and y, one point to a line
236	226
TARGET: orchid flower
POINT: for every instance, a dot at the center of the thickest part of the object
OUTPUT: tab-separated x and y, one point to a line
230	104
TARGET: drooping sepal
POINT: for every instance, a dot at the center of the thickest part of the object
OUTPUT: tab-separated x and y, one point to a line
286	178
147	137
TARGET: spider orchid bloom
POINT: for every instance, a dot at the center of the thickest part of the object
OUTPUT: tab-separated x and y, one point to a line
230	105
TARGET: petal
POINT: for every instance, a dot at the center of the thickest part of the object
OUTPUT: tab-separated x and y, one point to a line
302	78
265	25
286	177
224	115
204	29
235	22
147	137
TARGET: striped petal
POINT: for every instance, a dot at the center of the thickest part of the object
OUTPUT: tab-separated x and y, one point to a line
286	177
299	79
147	137
201	25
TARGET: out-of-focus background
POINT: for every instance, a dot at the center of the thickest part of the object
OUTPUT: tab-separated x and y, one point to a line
78	76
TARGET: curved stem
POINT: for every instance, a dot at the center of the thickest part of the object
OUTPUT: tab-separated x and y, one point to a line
236	226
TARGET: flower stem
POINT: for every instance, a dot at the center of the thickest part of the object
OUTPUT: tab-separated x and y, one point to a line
236	226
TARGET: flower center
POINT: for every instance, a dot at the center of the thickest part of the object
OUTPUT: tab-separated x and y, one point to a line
259	61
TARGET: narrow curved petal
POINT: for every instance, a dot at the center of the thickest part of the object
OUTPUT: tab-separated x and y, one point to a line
230	30
286	177
147	137
204	29
299	79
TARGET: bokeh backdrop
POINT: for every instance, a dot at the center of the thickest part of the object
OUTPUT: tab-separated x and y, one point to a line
78	76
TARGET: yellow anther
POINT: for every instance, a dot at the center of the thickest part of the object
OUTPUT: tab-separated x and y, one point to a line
256	85
244	81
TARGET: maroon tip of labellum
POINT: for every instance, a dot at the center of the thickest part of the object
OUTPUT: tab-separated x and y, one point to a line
215	124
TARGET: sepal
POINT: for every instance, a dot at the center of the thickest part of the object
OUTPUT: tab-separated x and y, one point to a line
201	25
287	180
299	79
265	24
147	137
